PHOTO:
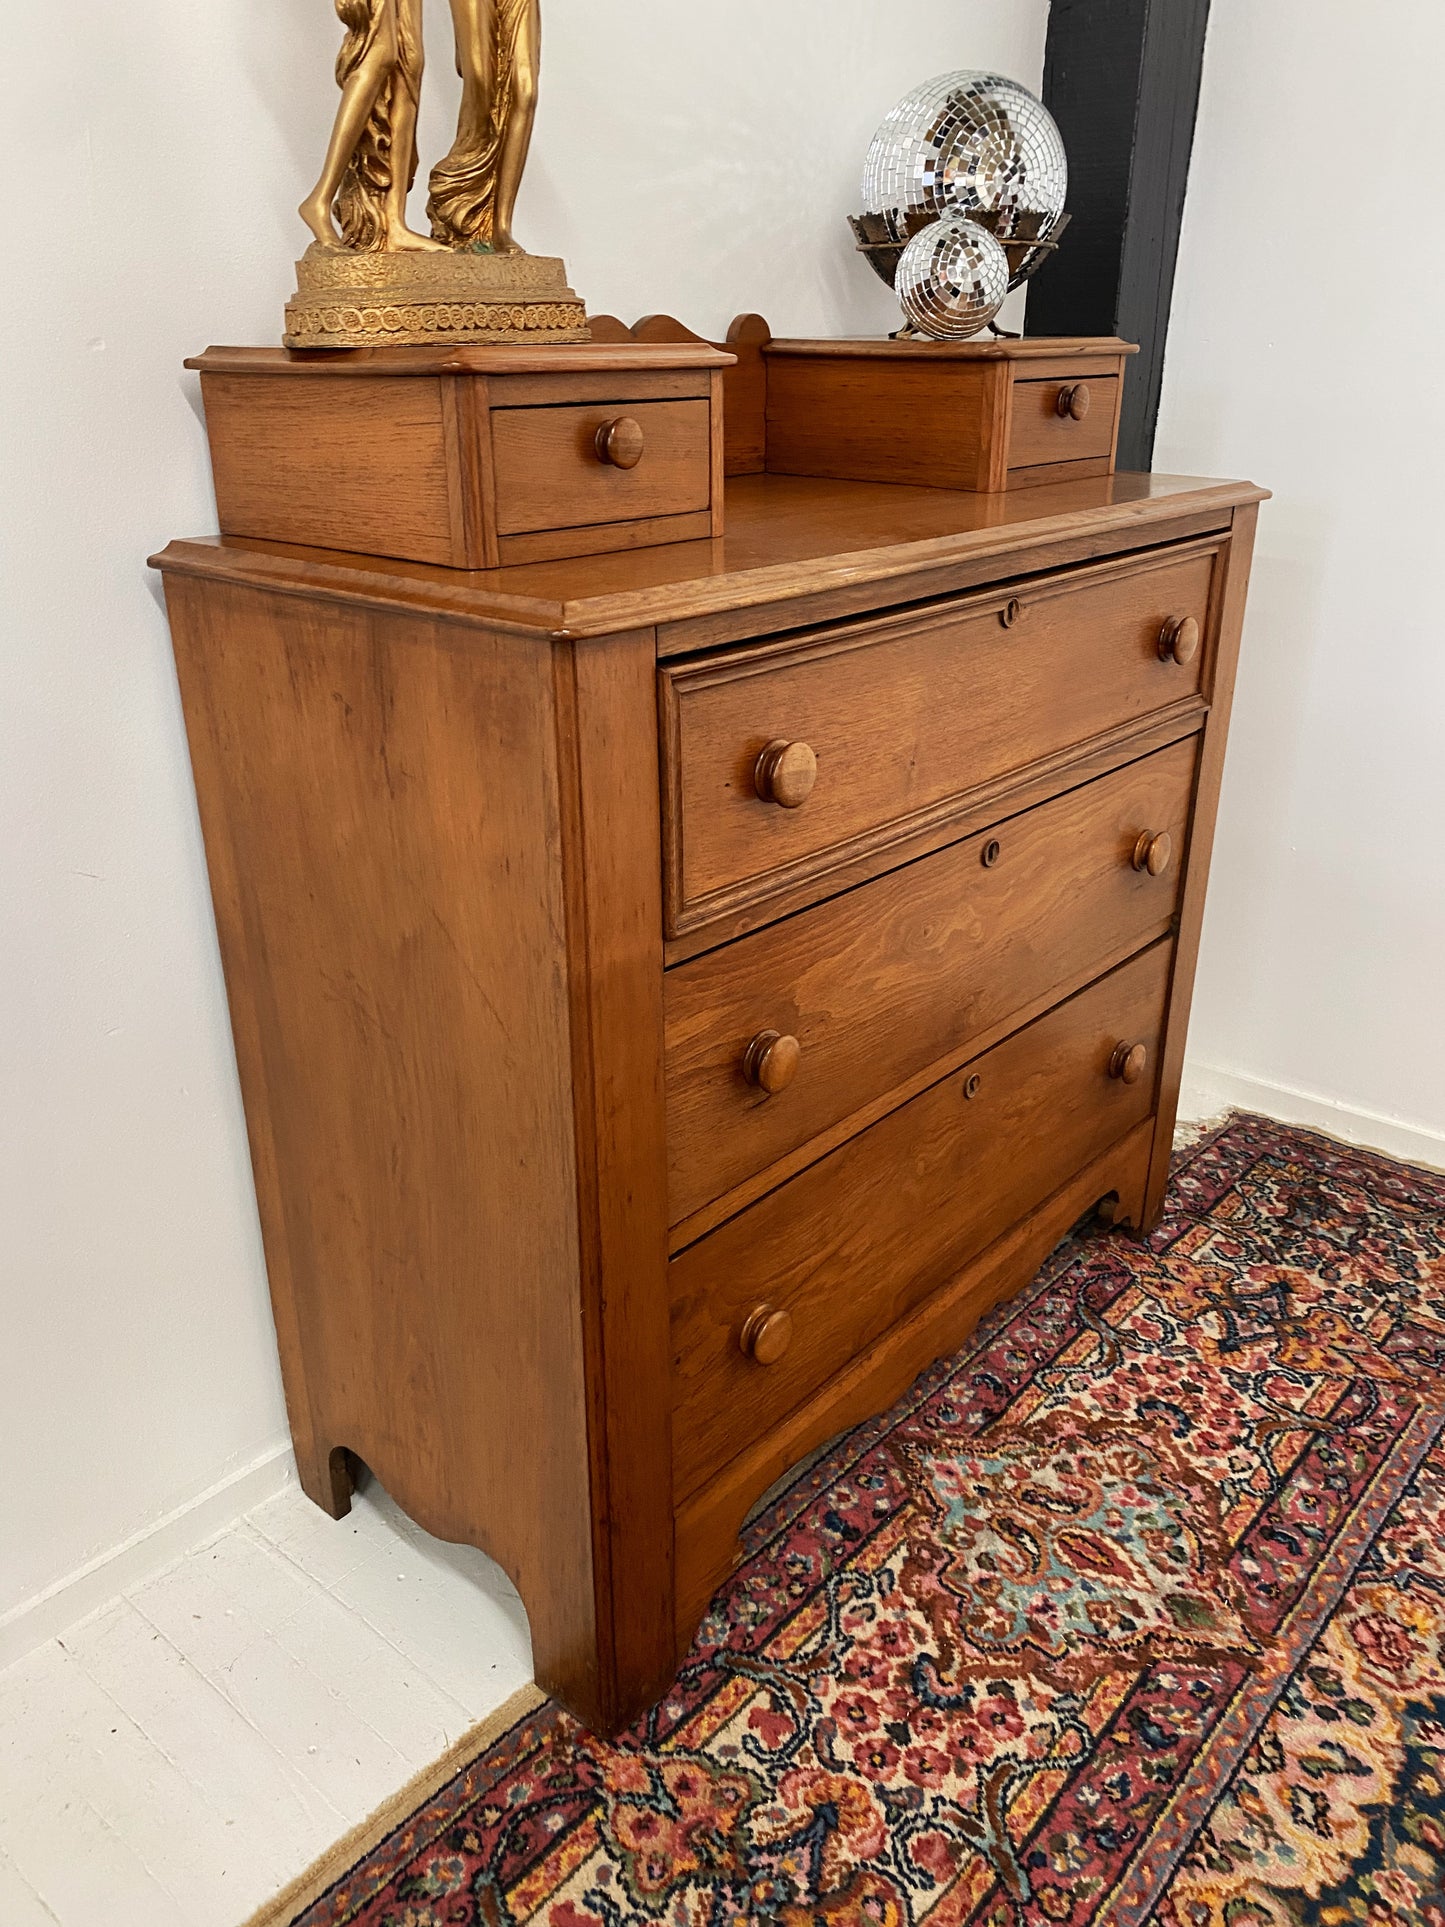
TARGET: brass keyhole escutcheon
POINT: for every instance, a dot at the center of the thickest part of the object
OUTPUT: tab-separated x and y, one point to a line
989	855
972	1086
1011	613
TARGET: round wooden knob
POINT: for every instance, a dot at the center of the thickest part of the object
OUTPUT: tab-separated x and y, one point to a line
620	443
1154	853
1075	402
1129	1062
766	1335
1179	640
785	774
771	1061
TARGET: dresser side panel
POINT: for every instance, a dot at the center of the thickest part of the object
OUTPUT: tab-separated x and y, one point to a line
607	735
381	803
351	464
1227	625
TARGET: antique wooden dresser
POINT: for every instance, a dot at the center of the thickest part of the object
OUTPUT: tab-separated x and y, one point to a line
678	990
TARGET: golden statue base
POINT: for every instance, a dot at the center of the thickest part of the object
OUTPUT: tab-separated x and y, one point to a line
426	299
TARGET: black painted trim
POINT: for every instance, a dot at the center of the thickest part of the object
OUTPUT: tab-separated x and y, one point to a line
1122	77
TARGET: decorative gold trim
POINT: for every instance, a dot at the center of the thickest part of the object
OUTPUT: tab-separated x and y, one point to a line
346	300
420	327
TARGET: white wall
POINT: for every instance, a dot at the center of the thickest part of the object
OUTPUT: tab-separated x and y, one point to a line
699	160
1305	353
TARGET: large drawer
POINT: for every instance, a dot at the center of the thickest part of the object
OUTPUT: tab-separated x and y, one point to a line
855	997
784	761
814	1273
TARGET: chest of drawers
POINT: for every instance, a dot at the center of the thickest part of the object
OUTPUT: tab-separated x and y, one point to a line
676	993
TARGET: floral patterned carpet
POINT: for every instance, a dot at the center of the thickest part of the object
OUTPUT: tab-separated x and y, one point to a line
1134	1611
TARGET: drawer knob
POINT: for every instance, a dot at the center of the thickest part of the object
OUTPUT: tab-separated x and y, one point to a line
1129	1062
766	1335
785	774
771	1061
1154	853
1075	402
620	443
1179	640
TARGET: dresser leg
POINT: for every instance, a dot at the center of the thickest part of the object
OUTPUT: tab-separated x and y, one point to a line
1128	1207
326	1479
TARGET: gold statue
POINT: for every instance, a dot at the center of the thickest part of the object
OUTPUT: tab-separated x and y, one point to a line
474	190
368	278
371	161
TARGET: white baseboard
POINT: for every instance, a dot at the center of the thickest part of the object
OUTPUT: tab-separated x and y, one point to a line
80	1593
1208	1092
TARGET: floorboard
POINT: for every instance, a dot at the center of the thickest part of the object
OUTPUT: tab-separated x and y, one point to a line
185	1752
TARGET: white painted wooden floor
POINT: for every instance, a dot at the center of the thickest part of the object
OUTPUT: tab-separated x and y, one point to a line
179	1757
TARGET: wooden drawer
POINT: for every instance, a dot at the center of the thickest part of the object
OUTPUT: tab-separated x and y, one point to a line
1044	431
978	415
909	719
551	476
881	984
855	1241
470	457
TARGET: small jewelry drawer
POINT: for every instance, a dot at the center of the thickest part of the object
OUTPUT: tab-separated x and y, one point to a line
1074	419
979	415
469	457
566	468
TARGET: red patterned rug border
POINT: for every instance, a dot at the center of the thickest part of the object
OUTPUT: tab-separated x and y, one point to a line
1176	1829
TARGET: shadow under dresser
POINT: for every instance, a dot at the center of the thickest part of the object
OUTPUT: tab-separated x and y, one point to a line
678	991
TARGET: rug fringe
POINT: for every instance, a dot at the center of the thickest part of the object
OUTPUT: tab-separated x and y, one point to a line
353	1847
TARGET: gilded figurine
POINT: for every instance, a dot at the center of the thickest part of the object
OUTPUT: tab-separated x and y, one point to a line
474	190
371	160
369	278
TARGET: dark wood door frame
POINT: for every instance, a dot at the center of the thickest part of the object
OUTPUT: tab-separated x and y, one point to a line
1122	78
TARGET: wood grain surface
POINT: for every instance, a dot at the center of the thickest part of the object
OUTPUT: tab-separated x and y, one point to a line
922	421
789	538
551	476
903	974
855	1242
708	1523
1041	435
306	475
398	980
469	461
1221	673
905	715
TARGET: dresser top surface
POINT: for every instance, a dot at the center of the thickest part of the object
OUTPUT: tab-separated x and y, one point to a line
788	537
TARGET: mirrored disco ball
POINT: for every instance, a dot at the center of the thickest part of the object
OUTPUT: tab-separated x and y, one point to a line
970	141
952	279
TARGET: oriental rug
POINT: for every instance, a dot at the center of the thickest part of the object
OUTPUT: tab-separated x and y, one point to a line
1133	1611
